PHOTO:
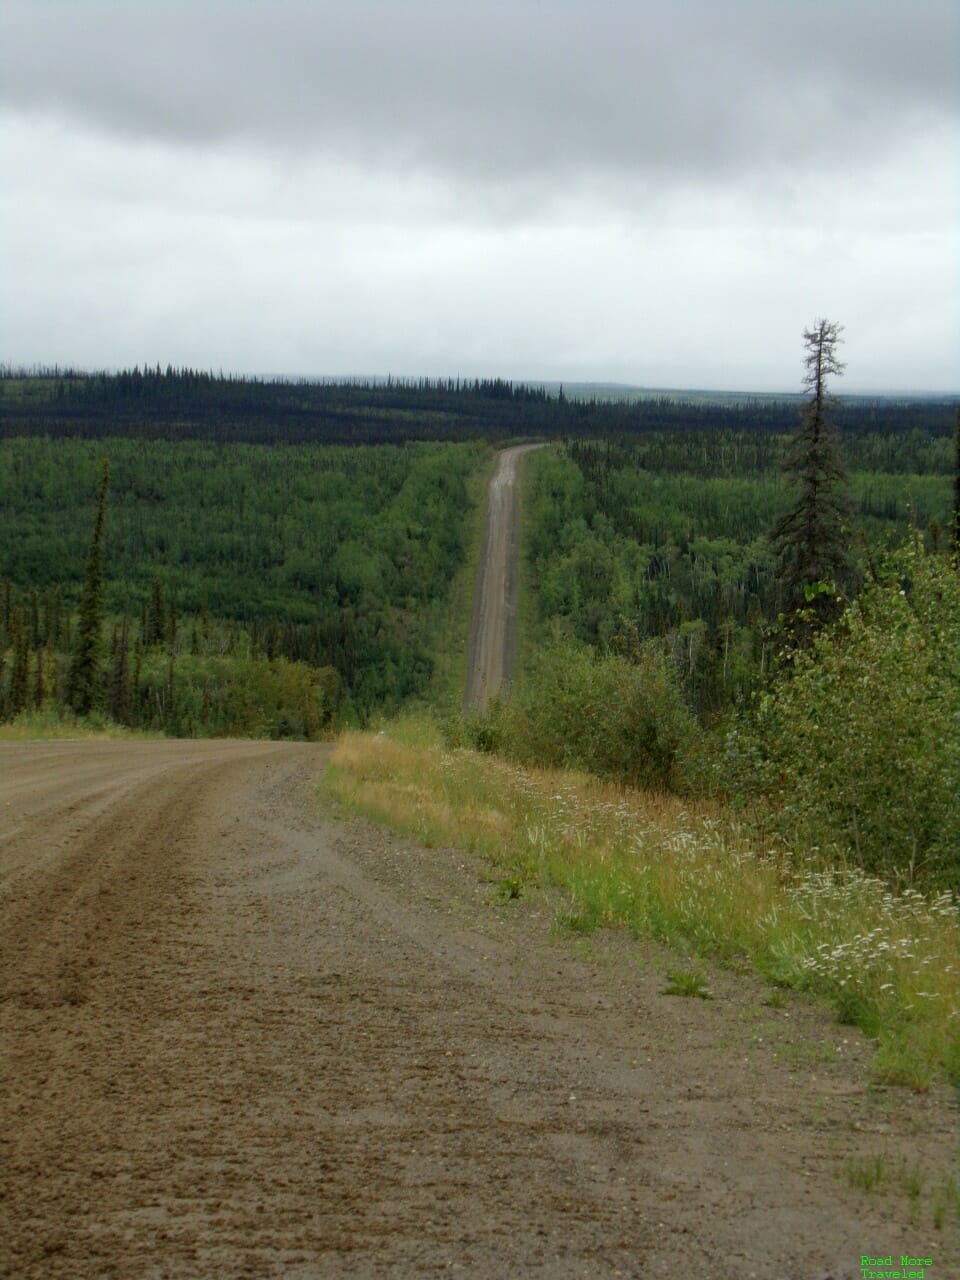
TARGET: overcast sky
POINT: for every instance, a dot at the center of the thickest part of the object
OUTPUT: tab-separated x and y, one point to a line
661	193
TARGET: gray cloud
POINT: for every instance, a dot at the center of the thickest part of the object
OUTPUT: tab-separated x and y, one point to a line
657	191
503	88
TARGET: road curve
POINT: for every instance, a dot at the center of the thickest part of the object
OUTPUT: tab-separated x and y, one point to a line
493	625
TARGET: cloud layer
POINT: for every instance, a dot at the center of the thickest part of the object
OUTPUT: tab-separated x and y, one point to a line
499	87
535	187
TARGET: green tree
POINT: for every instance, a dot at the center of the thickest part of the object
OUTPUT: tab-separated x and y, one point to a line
40	681
83	680
120	690
156	617
810	538
20	674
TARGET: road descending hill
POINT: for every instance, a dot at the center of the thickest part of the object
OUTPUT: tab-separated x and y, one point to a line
493	625
240	1038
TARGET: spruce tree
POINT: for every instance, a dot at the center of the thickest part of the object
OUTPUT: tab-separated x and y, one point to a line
155	630
35	618
84	678
55	624
810	538
40	682
120	673
20	674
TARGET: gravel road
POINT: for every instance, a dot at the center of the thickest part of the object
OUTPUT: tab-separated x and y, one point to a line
243	1039
493	625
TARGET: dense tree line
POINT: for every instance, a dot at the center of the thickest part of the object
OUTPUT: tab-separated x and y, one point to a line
335	560
187	404
666	537
196	681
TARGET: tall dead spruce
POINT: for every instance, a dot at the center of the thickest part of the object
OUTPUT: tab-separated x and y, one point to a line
810	539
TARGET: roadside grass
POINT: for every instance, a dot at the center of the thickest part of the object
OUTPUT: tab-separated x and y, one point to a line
884	1172
685	875
527	624
30	725
448	629
687	982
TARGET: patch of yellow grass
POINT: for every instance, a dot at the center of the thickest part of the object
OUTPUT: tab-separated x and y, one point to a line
32	725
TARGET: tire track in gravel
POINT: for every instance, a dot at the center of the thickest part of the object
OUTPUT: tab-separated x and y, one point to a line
240	1039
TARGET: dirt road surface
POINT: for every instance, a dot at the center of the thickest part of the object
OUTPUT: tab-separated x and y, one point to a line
242	1039
493	625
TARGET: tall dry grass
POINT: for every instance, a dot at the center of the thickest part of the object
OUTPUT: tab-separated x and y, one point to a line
49	723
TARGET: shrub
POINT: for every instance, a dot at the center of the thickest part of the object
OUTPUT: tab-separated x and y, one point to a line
864	737
236	696
618	718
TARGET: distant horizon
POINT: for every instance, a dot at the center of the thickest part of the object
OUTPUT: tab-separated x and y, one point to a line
40	368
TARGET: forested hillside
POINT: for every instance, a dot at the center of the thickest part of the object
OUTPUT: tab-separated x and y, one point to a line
666	535
186	404
316	559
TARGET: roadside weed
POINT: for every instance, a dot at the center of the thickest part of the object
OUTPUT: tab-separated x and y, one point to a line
881	1172
888	962
510	888
687	982
868	1173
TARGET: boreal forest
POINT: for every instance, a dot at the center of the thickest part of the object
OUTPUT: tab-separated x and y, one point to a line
196	554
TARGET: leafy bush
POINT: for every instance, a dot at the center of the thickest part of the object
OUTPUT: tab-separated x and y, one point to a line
615	717
237	696
863	738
